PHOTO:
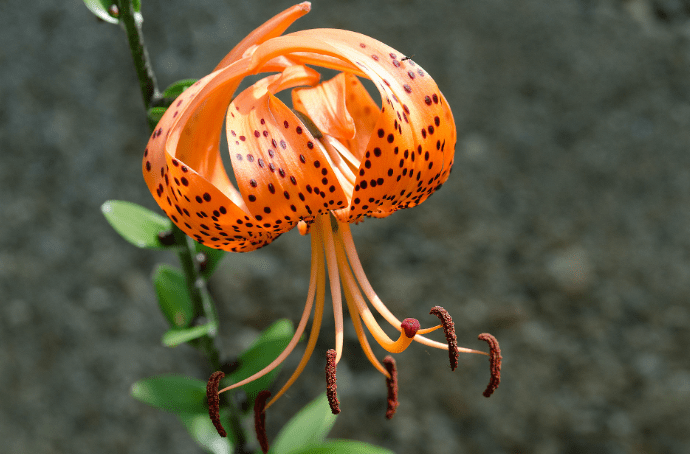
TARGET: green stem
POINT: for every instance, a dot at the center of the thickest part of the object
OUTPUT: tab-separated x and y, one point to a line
196	285
131	20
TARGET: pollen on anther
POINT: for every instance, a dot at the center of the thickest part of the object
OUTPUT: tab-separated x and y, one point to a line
391	385
331	385
214	401
260	419
494	363
449	331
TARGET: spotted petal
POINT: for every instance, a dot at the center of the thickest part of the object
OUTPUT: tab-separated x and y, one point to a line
281	173
411	151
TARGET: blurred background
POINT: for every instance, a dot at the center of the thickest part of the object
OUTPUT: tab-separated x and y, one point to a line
564	230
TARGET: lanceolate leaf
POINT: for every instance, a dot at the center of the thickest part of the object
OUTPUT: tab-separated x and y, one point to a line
174	393
266	348
100	9
136	224
202	431
174	90
173	296
175	337
307	428
341	447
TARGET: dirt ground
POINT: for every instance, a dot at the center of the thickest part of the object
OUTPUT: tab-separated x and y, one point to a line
564	230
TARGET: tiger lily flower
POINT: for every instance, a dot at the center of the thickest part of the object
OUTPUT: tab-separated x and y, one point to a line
334	160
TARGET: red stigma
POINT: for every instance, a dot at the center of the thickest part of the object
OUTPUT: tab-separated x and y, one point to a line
410	326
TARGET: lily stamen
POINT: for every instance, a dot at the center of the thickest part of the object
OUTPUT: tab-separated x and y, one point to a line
449	331
260	419
494	363
316	290
331	384
391	385
214	401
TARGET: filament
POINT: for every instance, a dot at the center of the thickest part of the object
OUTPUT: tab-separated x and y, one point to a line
336	296
316	249
317	252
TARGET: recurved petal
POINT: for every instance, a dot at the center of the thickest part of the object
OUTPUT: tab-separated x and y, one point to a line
281	173
410	153
342	108
273	27
411	150
183	170
325	105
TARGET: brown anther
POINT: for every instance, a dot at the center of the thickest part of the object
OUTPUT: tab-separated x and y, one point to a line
392	385
449	331
410	326
494	363
260	419
214	401
331	386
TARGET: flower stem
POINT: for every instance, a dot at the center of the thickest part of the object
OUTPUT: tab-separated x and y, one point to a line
196	285
198	292
131	21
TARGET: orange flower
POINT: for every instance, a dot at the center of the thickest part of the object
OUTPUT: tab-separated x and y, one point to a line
337	158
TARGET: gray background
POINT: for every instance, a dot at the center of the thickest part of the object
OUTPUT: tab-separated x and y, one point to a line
563	230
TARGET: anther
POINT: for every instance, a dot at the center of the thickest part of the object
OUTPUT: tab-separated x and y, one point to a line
392	385
166	238
494	363
260	419
449	331
331	386
214	402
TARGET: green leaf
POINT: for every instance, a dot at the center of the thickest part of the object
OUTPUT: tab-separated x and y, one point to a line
340	447
308	427
174	90
213	257
154	115
100	9
175	393
173	296
262	352
201	429
136	224
175	337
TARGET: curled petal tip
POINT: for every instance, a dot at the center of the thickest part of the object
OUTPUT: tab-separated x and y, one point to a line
410	326
305	6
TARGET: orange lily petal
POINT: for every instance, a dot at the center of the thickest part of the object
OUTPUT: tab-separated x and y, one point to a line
183	169
325	106
273	27
411	151
354	116
281	173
